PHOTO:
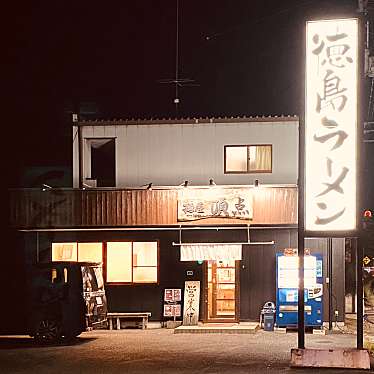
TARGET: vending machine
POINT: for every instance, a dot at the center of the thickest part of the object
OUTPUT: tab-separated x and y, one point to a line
287	279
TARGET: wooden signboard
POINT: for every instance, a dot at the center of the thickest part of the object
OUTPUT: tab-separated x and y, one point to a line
191	303
215	203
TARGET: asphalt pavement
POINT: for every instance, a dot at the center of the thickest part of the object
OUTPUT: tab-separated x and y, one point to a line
162	351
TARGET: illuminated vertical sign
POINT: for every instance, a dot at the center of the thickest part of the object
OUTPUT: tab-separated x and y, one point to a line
331	125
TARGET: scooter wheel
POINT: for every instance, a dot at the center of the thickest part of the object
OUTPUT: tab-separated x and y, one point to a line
48	331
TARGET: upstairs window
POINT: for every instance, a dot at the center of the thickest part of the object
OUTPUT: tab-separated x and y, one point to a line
244	159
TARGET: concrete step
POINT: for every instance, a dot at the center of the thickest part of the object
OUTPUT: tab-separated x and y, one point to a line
241	328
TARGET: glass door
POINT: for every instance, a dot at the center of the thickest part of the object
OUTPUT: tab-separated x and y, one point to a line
221	291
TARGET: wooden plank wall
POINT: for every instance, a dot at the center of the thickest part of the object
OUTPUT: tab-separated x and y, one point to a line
72	208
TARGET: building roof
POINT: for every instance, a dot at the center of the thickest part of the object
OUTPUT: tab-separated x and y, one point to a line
187	120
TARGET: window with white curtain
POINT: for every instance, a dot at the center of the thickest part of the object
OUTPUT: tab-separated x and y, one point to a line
243	159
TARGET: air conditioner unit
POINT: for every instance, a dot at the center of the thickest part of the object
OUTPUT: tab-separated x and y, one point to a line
90	183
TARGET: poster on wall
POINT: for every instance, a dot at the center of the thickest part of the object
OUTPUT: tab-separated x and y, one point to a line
172	294
172	310
331	125
191	303
215	202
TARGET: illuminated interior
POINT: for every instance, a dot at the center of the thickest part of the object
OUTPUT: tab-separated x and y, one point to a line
259	158
126	262
236	159
64	251
132	262
144	262
221	290
144	254
119	262
92	252
248	159
73	252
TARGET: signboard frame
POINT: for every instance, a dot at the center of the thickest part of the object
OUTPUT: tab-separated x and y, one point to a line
330	129
356	231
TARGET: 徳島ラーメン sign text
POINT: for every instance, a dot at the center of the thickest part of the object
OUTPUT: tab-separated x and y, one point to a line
196	204
331	125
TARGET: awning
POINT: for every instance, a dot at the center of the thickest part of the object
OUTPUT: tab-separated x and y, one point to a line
217	252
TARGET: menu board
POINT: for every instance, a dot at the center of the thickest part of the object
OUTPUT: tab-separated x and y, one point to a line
172	310
172	294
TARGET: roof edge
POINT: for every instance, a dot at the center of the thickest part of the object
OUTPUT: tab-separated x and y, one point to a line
188	120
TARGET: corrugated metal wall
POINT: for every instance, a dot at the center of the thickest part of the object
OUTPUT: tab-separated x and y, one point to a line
109	208
167	154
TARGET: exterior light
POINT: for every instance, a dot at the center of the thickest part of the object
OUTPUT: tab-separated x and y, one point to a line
368	214
211	182
46	187
185	184
256	183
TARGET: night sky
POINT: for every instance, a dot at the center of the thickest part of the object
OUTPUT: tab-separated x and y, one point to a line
245	58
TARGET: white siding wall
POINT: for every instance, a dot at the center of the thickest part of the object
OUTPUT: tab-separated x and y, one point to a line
168	154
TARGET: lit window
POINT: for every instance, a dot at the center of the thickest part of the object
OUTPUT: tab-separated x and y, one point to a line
236	159
144	262
74	252
90	252
248	159
64	251
132	262
118	262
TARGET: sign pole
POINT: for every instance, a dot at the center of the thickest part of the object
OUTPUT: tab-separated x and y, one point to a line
361	100
301	238
329	256
359	289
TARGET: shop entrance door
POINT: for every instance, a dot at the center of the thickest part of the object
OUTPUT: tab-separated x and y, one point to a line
221	291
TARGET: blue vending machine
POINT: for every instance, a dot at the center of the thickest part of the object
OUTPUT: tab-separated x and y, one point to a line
287	289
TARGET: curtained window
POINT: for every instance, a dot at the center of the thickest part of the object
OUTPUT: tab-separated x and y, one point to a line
248	159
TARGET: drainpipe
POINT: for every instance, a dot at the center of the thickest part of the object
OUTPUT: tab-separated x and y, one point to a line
80	163
80	157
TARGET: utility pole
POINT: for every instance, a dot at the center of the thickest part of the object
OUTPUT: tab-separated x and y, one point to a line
364	71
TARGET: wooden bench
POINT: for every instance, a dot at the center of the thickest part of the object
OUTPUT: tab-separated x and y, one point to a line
118	316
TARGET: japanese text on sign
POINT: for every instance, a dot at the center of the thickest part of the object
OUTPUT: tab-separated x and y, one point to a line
214	203
331	121
172	294
191	303
172	310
